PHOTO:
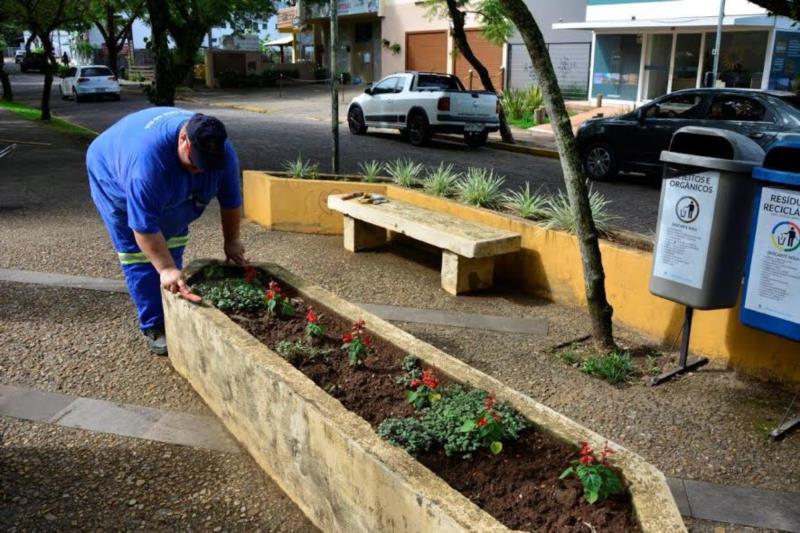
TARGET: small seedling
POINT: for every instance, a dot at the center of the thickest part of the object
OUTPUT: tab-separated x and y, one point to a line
614	367
599	480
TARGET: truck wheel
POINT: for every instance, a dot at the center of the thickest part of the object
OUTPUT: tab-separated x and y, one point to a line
355	120
600	162
476	139
419	131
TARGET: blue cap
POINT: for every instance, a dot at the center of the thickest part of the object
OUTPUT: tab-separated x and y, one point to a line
207	136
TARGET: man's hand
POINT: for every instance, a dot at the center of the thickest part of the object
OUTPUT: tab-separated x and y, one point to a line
234	252
172	280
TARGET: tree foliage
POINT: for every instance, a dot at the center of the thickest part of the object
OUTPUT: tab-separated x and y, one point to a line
113	19
187	22
786	8
42	18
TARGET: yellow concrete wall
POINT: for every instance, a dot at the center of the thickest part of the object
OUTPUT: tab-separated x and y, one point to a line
548	265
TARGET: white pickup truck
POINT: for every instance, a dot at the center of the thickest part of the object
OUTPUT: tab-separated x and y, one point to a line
420	104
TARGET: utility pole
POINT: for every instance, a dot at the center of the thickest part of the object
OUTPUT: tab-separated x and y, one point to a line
334	85
718	46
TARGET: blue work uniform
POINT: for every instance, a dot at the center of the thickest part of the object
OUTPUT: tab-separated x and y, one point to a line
138	184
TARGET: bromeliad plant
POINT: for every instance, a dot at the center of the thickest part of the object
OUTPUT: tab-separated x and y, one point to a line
424	391
277	303
357	343
598	478
313	328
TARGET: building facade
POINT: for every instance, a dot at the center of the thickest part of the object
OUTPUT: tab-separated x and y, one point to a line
643	49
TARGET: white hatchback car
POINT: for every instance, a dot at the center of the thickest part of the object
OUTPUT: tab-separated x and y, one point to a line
88	81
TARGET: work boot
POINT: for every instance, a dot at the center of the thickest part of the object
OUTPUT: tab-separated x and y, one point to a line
157	340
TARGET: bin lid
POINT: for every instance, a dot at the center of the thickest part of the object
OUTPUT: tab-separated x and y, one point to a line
782	163
713	148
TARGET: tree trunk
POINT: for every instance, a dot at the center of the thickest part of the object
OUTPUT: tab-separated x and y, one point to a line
28	43
48	76
163	92
7	93
460	37
112	46
594	277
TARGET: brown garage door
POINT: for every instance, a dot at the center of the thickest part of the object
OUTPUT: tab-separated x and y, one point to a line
491	55
426	51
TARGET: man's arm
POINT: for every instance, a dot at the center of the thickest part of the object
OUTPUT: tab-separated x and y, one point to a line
154	246
234	250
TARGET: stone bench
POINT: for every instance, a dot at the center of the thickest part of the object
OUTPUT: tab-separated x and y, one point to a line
468	249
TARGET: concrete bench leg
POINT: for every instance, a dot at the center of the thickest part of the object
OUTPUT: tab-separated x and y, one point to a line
359	235
461	274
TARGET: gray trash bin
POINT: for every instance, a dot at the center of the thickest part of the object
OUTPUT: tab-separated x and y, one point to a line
703	222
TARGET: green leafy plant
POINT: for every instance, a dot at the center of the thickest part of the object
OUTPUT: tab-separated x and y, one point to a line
302	169
313	327
231	295
599	480
569	356
525	203
371	170
277	303
441	180
407	433
423	391
214	272
459	421
519	103
559	213
357	343
411	370
404	172
614	367
296	352
480	187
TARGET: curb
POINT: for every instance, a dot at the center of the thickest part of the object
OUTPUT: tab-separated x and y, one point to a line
238	107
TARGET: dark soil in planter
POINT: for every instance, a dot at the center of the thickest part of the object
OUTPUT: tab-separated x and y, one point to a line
519	487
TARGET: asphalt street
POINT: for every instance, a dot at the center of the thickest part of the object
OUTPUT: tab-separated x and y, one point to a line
267	141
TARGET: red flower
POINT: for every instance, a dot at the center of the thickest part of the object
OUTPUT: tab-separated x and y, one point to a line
415	383
489	403
482	422
274	287
270	294
347	338
249	274
605	453
367	340
586	459
311	316
429	379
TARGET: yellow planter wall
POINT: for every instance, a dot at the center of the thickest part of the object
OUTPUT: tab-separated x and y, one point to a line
548	265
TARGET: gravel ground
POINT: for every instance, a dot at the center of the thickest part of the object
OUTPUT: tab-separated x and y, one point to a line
60	479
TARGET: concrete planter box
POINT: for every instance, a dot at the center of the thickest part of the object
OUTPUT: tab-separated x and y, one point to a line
328	459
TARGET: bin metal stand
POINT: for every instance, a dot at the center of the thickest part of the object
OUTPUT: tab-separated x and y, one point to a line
785	427
685	364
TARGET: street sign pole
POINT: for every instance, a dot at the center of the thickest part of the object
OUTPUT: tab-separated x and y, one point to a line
719	42
334	85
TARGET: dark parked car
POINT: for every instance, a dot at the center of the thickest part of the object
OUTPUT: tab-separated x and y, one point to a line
633	142
34	61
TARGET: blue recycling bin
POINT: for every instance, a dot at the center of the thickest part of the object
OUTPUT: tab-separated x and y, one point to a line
771	300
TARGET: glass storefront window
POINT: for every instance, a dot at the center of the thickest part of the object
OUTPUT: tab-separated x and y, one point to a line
616	66
785	72
687	61
741	62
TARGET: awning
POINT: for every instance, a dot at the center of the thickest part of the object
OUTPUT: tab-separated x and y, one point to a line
283	41
684	22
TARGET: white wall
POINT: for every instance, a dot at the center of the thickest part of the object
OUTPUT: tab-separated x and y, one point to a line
549	12
668	9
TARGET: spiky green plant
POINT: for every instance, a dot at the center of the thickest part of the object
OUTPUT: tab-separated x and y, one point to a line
480	187
441	180
404	172
371	170
614	367
525	203
300	168
559	213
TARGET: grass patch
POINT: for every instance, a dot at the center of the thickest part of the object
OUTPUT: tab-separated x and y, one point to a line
58	124
525	121
615	367
569	356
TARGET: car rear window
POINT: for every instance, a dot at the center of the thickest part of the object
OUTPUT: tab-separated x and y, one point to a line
95	71
793	101
442	83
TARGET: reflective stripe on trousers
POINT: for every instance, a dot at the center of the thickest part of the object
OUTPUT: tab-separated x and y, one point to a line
134	258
